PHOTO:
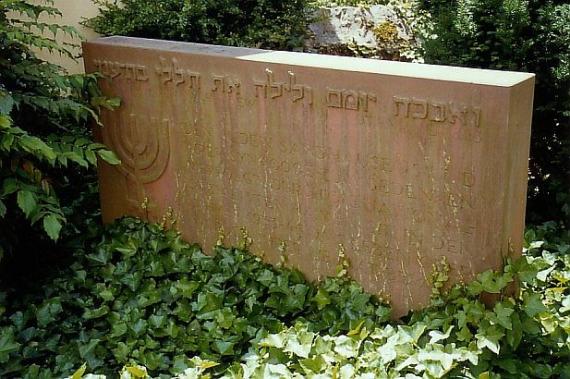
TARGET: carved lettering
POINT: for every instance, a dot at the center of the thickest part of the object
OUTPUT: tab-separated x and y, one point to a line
227	85
334	98
299	91
169	71
461	200
401	101
272	89
456	112
409	191
455	197
468	179
129	71
364	99
437	111
419	108
349	99
374	164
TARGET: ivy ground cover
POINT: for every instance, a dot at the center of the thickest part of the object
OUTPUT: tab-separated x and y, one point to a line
141	300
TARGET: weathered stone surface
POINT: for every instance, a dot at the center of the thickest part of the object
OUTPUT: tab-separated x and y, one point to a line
371	31
400	164
345	25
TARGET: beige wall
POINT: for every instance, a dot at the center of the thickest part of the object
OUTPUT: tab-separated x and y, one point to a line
74	11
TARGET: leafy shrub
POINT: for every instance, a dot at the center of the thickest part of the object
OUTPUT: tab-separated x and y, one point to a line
142	295
520	35
273	24
45	149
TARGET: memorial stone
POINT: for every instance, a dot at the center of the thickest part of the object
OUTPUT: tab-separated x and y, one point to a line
391	165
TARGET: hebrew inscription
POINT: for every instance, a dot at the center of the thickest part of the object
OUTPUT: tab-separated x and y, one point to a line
114	69
394	167
437	111
349	99
171	72
272	89
226	84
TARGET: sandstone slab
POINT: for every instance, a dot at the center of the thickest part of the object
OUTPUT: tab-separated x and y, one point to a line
393	165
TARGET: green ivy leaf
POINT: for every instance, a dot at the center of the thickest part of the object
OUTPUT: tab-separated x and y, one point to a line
79	373
47	313
136	372
493	283
356	330
515	335
322	298
533	304
543	275
313	365
86	349
346	346
8	344
464	334
90	314
503	315
437	336
121	352
224	347
525	271
118	329
489	338
273	340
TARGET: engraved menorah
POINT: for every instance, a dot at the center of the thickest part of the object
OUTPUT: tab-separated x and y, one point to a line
143	145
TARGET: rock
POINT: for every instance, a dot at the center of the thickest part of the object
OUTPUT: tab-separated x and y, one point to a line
369	31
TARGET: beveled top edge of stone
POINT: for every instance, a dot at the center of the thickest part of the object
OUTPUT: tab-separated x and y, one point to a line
352	64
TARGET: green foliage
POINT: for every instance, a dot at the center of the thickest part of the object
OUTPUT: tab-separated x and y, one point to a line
140	295
521	35
44	136
458	336
143	295
273	24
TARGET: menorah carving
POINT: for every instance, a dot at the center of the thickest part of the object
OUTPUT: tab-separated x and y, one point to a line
143	145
